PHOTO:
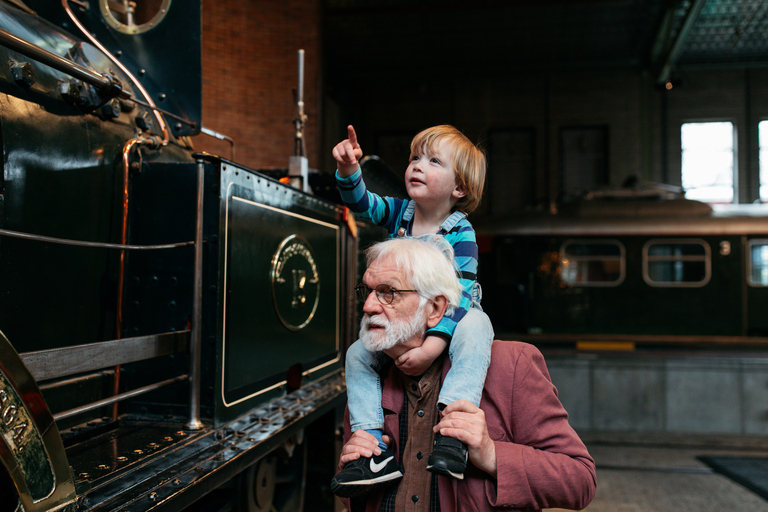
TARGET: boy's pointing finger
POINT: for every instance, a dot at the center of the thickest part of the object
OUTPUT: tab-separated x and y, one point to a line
351	135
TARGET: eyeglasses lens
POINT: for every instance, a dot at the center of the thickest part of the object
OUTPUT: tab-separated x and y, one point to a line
384	293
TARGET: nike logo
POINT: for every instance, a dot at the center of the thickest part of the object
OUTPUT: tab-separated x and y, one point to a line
378	467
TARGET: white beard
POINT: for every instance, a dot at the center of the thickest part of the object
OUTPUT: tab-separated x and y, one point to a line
395	332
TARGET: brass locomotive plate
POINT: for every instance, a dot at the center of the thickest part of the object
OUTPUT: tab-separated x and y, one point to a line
295	283
23	439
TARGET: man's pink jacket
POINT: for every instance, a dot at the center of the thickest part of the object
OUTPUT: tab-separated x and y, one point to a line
541	461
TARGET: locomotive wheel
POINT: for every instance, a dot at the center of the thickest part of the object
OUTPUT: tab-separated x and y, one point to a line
276	483
259	491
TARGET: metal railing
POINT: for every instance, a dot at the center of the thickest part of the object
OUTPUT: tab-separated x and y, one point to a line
60	362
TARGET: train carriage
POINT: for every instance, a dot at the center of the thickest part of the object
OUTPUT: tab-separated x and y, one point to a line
651	270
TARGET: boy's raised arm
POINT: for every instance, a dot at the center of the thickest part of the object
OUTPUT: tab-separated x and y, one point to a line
347	153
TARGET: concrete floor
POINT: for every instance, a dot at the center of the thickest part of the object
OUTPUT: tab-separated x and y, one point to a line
661	473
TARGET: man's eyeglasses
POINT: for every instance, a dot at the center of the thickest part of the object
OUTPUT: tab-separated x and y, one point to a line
384	293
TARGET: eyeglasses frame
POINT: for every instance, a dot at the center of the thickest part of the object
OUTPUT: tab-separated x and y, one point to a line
361	287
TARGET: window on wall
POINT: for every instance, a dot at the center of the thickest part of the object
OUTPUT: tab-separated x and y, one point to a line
708	162
762	133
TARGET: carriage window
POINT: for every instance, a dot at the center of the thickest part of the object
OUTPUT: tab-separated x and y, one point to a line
757	274
676	263
592	262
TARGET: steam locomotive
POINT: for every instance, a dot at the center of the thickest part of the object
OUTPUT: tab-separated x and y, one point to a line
171	323
627	268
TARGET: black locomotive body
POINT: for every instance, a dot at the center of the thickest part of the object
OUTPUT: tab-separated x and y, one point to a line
171	322
638	270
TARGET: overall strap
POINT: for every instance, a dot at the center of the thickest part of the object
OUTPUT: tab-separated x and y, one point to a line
451	222
407	216
446	227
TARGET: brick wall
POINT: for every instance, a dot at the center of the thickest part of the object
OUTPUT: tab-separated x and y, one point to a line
250	70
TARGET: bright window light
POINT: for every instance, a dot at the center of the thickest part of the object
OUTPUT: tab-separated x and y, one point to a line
708	161
762	134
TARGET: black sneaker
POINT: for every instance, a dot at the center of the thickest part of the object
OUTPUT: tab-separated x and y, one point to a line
366	474
448	457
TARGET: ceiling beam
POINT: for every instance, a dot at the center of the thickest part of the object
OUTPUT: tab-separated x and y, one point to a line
673	48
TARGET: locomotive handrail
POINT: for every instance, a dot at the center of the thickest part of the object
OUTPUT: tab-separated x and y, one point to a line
82	243
103	82
116	398
220	136
60	362
195	339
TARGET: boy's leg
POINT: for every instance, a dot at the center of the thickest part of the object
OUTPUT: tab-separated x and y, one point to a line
365	474
470	353
364	390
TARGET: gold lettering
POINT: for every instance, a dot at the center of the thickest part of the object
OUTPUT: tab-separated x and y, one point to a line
15	425
9	414
299	280
18	434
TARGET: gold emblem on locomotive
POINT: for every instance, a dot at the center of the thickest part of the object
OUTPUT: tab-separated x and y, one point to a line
295	283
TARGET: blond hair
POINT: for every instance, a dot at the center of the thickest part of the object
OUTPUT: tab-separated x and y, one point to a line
467	159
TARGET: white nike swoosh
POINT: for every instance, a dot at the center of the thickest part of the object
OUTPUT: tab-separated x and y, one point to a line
378	467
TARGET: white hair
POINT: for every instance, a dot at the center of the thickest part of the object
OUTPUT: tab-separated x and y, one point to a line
427	265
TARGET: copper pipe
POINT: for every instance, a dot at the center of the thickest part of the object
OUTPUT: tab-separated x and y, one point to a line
127	148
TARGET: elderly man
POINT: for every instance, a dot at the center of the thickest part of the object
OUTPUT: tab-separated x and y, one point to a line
523	454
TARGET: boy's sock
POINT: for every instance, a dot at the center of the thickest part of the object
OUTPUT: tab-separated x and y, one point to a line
378	433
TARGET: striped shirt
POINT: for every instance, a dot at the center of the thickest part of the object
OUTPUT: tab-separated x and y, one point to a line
396	215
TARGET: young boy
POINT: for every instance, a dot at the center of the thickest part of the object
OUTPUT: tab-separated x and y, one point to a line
445	181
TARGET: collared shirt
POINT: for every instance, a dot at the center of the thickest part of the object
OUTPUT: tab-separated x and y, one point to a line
417	491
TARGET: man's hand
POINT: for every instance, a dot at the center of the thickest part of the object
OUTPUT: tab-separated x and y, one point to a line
361	444
417	360
347	153
466	422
